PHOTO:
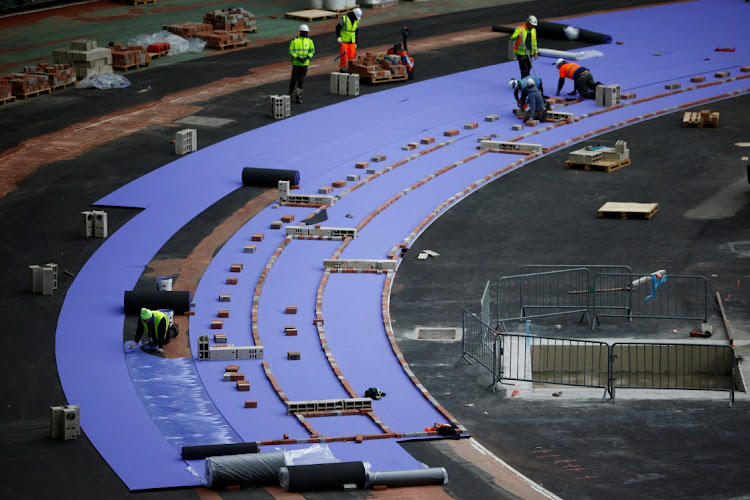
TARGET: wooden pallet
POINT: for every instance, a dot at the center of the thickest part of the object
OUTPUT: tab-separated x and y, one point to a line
131	66
628	210
605	166
249	29
311	15
48	90
158	54
692	119
7	99
384	79
231	45
63	85
138	2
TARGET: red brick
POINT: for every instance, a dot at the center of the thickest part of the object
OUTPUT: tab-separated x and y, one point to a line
258	237
243	385
231	281
232	368
291	309
450	133
287	218
223	313
427	140
235	268
251	404
217	324
338	184
362	164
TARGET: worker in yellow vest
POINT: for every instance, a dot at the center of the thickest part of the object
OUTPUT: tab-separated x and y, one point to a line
156	326
302	50
525	46
346	34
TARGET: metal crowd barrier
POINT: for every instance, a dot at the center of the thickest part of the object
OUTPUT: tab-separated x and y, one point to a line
479	342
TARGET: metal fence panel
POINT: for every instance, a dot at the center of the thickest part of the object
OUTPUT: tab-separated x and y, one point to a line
592	269
479	342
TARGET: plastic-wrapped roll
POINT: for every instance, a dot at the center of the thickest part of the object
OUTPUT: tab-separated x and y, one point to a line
249	469
268	177
179	301
213	450
319	477
414	477
559	31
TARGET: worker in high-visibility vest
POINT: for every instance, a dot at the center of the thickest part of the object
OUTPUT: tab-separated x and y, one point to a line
302	50
346	34
157	327
584	82
525	47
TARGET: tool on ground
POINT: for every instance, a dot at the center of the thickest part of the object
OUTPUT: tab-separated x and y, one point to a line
404	52
697	333
725	49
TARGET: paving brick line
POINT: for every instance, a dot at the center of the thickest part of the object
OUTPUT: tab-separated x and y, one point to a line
259	288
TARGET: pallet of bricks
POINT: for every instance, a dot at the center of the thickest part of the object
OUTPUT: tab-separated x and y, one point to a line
231	19
25	85
378	69
704	118
188	29
129	57
219	39
85	58
58	75
5	93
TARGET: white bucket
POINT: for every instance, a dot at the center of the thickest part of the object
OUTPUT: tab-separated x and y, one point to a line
316	4
169	313
335	4
350	4
164	284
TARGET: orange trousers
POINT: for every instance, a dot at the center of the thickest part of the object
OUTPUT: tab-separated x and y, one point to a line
348	51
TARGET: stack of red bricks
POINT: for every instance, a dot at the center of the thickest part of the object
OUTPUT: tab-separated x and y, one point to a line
371	66
231	19
124	57
23	84
58	75
222	38
188	29
4	90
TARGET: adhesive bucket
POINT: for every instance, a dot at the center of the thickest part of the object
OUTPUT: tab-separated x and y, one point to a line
164	284
316	4
169	313
334	4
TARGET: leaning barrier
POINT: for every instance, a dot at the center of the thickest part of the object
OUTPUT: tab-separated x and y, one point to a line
596	364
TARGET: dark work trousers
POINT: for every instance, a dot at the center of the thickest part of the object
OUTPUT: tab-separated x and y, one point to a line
586	86
298	78
524	64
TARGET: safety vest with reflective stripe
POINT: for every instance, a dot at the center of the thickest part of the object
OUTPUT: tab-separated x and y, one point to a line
520	37
158	318
301	47
349	30
567	70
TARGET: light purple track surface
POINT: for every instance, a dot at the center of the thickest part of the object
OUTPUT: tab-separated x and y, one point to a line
115	415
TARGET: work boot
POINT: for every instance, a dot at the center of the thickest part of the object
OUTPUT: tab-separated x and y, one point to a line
298	98
343	70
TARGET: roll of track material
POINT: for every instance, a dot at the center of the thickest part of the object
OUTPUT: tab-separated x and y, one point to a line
179	302
215	450
319	477
557	31
415	477
268	177
249	469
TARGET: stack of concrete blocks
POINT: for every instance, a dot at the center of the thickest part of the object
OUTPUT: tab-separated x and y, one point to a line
94	223
85	57
186	141
511	146
365	264
228	351
334	233
560	115
344	83
303	199
608	95
43	278
65	421
328	405
619	153
280	106
585	156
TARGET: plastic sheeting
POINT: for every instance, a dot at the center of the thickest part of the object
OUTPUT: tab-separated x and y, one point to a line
103	81
414	477
177	44
251	469
571	56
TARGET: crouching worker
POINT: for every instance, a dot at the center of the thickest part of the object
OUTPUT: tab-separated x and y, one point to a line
535	100
157	327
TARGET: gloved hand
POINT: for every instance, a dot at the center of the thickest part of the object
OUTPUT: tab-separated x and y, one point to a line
339	40
303	60
133	345
160	350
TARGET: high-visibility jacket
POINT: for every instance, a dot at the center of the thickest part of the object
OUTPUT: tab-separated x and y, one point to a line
571	70
519	48
348	29
159	317
301	47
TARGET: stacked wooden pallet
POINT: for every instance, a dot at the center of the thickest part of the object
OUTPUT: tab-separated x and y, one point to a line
129	57
378	69
704	118
221	39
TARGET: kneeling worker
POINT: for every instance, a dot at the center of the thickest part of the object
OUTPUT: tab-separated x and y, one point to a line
157	327
584	82
537	110
520	90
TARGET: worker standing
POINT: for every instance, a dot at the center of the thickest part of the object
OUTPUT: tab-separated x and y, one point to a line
537	109
582	78
302	50
346	34
157	327
525	47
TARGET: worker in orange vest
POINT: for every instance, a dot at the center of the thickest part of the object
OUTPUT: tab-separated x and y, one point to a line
584	82
525	46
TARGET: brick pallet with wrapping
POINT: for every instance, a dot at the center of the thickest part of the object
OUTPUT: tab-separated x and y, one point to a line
231	19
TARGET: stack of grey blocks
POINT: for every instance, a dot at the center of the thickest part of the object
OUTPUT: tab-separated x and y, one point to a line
43	278
94	223
85	57
65	421
280	106
186	141
608	95
344	83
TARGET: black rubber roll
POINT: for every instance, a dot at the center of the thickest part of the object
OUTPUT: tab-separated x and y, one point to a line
179	302
215	450
546	29
269	177
322	476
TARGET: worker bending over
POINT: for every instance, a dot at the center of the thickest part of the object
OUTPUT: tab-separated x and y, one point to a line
520	90
157	327
537	109
302	50
584	82
346	34
525	45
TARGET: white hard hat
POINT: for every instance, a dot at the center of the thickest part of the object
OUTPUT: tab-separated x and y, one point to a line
358	13
559	62
303	27
530	82
532	20
512	83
